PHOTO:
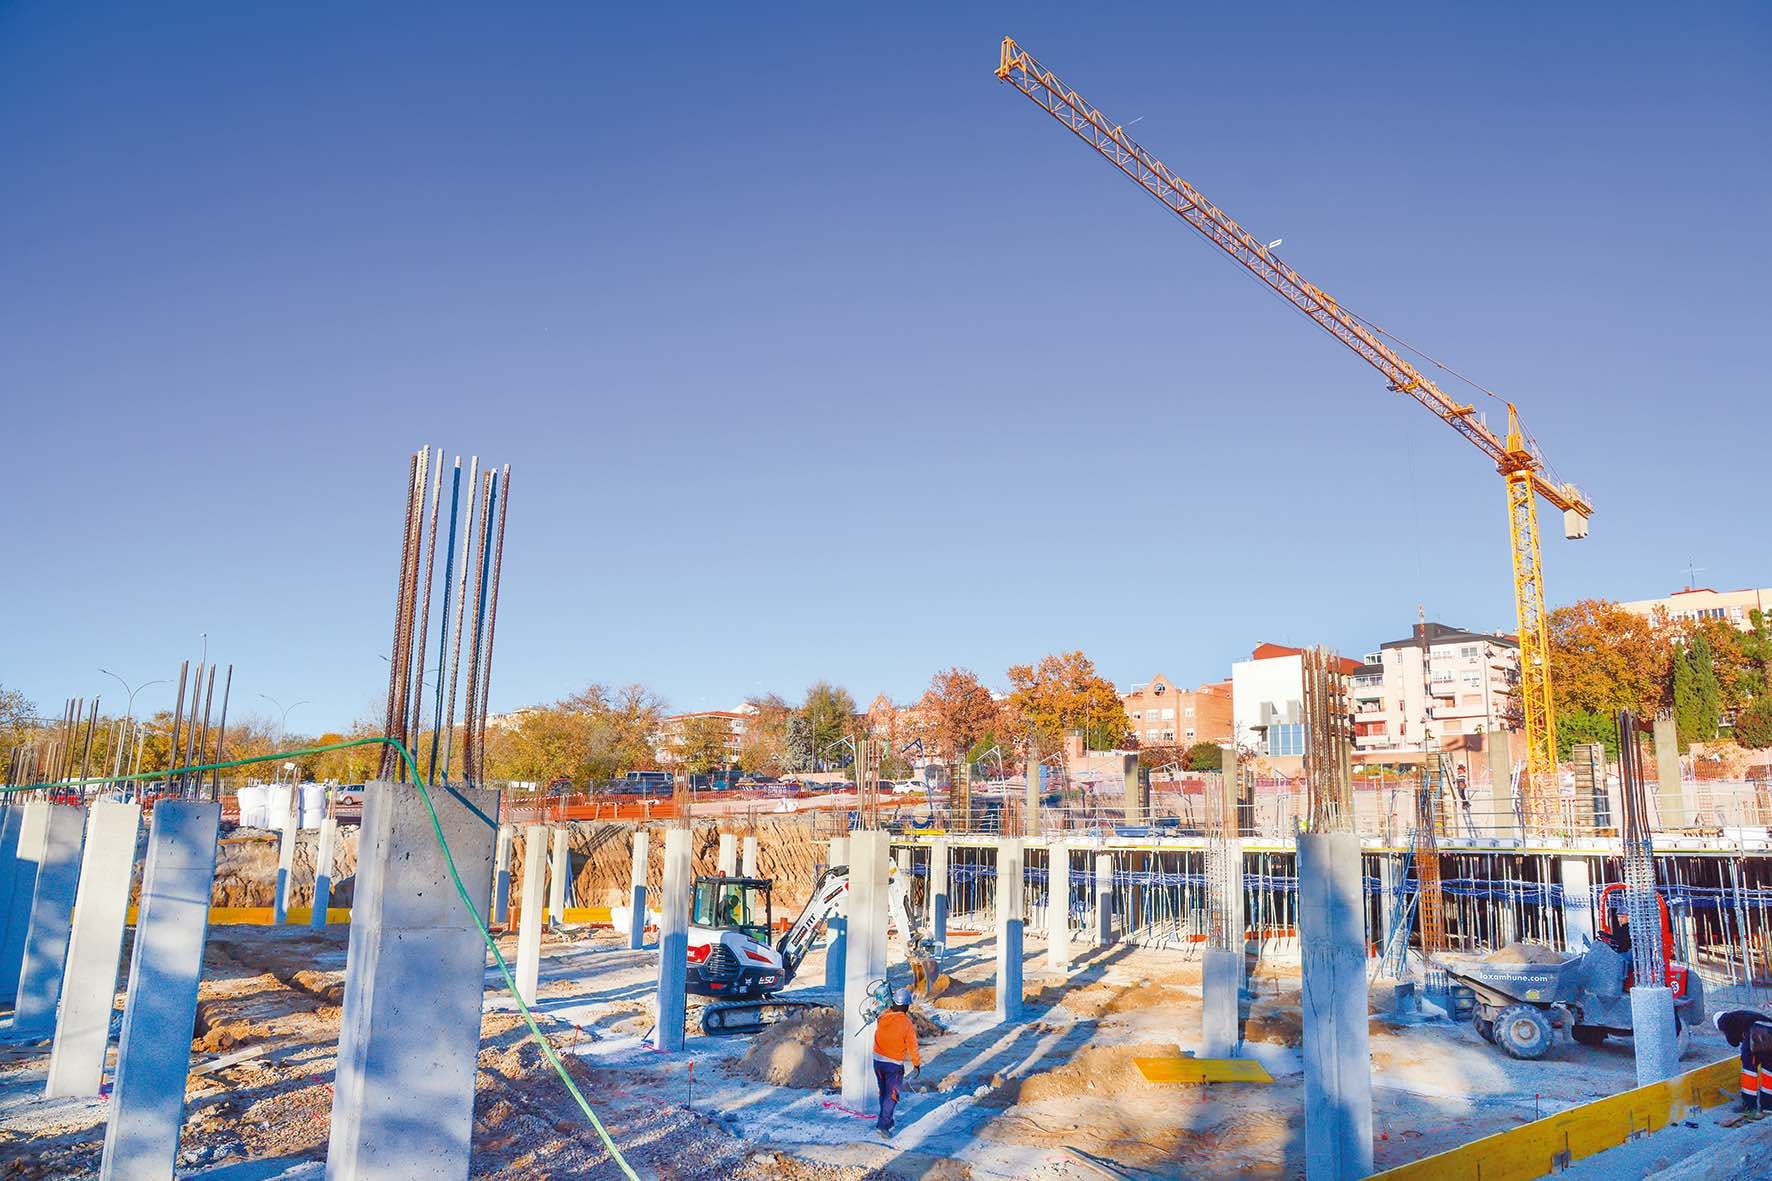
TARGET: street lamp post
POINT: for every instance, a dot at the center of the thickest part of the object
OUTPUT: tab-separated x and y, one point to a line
283	722
129	714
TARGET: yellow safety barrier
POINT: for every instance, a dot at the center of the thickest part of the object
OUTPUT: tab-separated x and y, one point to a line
260	916
1557	1141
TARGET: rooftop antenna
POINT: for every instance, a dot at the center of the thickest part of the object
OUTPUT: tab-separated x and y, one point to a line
1692	573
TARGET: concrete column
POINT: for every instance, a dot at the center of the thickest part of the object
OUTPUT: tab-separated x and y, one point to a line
1137	781
1104	899
937	890
1031	821
1670	797
26	825
837	928
559	876
409	1033
727	860
160	1005
1010	859
1337	1061
529	913
749	863
637	891
1652	1034
673	939
95	949
52	916
285	866
1390	882
501	874
323	871
865	963
1058	908
1578	898
1221	983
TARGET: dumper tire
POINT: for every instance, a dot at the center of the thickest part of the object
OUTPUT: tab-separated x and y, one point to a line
1523	1031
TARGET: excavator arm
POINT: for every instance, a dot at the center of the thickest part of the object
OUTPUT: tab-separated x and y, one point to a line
828	896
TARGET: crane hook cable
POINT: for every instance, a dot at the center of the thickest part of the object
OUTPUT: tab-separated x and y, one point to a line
461	891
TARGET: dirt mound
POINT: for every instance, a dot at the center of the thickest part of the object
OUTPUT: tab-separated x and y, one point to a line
1100	1000
967	998
1277	1024
1096	1071
215	1032
1525	953
791	1053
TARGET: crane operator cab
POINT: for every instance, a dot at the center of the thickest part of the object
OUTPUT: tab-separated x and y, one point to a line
729	931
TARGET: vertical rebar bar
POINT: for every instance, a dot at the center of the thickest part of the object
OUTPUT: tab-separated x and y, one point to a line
498	561
470	763
420	644
178	714
437	738
221	736
461	607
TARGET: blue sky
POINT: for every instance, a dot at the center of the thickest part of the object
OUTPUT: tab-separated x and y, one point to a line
817	352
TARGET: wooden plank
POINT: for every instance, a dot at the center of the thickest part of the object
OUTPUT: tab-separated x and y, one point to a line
1203	1070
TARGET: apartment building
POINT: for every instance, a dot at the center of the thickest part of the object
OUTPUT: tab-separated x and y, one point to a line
1267	700
1702	602
1163	714
1442	686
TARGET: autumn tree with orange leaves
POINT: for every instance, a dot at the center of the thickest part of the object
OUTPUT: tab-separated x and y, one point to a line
1064	692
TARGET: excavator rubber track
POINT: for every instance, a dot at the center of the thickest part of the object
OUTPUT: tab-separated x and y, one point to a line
750	1016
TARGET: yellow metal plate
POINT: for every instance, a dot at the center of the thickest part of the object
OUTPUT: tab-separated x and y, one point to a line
1203	1070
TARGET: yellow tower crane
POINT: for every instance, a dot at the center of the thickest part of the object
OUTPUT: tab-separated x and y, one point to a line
1517	459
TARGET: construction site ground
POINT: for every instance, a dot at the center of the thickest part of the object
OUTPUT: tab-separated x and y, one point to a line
1036	1099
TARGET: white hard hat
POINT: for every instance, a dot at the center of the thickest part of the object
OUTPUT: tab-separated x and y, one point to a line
902	997
1716	1019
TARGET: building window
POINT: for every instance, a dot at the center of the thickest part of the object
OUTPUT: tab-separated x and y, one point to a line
1472	679
1169	715
1188	712
1469	650
1285	740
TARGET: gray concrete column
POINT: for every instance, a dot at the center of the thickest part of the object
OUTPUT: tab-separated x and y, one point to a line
749	863
1670	796
1031	821
1578	900
727	859
937	892
160	1003
837	927
52	916
95	950
560	876
1010	860
1390	895
1104	899
1337	1061
1221	983
864	964
285	863
673	939
323	855
1652	1034
529	913
501	874
409	1032
1058	908
25	826
637	890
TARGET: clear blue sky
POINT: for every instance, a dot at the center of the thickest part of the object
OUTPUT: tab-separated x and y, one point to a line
818	352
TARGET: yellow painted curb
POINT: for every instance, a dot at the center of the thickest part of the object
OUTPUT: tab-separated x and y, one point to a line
260	916
1203	1070
1557	1141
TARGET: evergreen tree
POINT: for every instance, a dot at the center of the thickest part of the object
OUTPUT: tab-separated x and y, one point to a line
1685	698
1709	692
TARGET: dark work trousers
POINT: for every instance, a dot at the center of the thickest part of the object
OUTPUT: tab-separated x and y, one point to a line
1756	1078
890	1075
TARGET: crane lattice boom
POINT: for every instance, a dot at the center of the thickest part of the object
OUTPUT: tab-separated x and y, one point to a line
1514	457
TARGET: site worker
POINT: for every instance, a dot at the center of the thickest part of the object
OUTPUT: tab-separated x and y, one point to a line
895	1043
1752	1031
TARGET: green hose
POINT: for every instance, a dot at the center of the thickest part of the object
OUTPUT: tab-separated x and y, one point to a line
424	793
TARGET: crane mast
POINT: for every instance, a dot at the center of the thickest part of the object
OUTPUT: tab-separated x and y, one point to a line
1519	463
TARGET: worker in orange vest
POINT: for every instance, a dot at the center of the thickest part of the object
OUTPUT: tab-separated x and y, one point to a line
895	1043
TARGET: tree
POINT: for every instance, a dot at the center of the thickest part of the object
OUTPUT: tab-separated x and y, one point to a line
764	747
699	745
1203	756
1697	696
1604	658
18	720
1756	646
1584	726
1063	692
593	735
1753	725
955	712
829	711
801	754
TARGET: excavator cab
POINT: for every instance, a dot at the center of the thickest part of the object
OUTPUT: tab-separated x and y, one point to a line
733	904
